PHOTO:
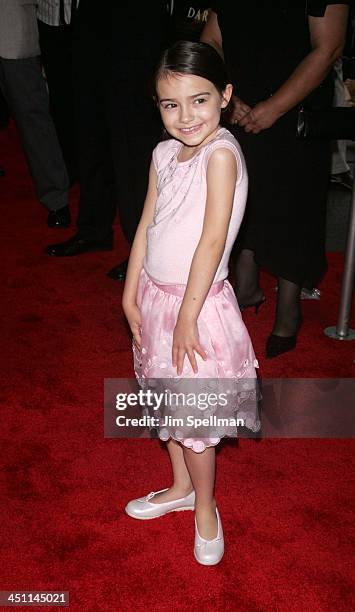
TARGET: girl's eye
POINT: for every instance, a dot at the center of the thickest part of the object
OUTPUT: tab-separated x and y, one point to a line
169	105
200	100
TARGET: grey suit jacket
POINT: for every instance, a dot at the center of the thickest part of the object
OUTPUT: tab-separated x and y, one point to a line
18	29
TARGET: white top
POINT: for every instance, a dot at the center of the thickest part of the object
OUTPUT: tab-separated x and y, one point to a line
176	229
48	11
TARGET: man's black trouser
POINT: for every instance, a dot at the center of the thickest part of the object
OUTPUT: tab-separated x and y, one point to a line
117	129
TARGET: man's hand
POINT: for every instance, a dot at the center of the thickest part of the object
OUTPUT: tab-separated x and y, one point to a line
239	110
261	117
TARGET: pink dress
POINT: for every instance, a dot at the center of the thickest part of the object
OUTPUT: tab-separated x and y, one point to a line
198	409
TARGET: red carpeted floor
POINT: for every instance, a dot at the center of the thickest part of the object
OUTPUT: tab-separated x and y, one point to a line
285	504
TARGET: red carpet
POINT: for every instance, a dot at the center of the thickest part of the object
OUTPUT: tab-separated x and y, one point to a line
285	504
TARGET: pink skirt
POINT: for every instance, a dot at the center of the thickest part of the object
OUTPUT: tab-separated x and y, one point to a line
226	381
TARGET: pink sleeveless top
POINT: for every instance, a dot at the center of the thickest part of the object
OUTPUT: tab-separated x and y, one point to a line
176	229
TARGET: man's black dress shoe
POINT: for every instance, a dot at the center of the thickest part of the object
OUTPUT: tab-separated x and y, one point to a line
59	218
78	245
119	272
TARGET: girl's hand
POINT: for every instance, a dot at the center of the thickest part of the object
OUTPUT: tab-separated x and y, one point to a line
133	316
261	117
239	110
186	342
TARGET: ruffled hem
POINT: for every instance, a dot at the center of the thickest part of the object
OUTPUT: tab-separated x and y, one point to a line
198	445
194	421
230	367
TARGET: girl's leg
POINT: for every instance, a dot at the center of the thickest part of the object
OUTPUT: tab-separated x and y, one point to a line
288	309
247	288
182	484
202	469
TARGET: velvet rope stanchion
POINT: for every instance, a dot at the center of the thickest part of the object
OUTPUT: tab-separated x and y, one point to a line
342	330
336	124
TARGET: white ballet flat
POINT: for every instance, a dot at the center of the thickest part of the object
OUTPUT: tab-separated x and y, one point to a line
209	552
143	509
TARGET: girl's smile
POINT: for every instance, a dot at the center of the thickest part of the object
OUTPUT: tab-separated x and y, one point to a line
190	108
190	130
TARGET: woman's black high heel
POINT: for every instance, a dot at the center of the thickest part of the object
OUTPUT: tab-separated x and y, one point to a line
256	305
276	345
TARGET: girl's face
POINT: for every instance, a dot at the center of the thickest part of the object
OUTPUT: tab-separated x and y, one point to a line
190	107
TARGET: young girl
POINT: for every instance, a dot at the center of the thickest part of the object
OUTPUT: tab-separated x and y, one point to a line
182	311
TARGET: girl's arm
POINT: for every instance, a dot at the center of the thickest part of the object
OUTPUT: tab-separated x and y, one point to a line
136	257
221	181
